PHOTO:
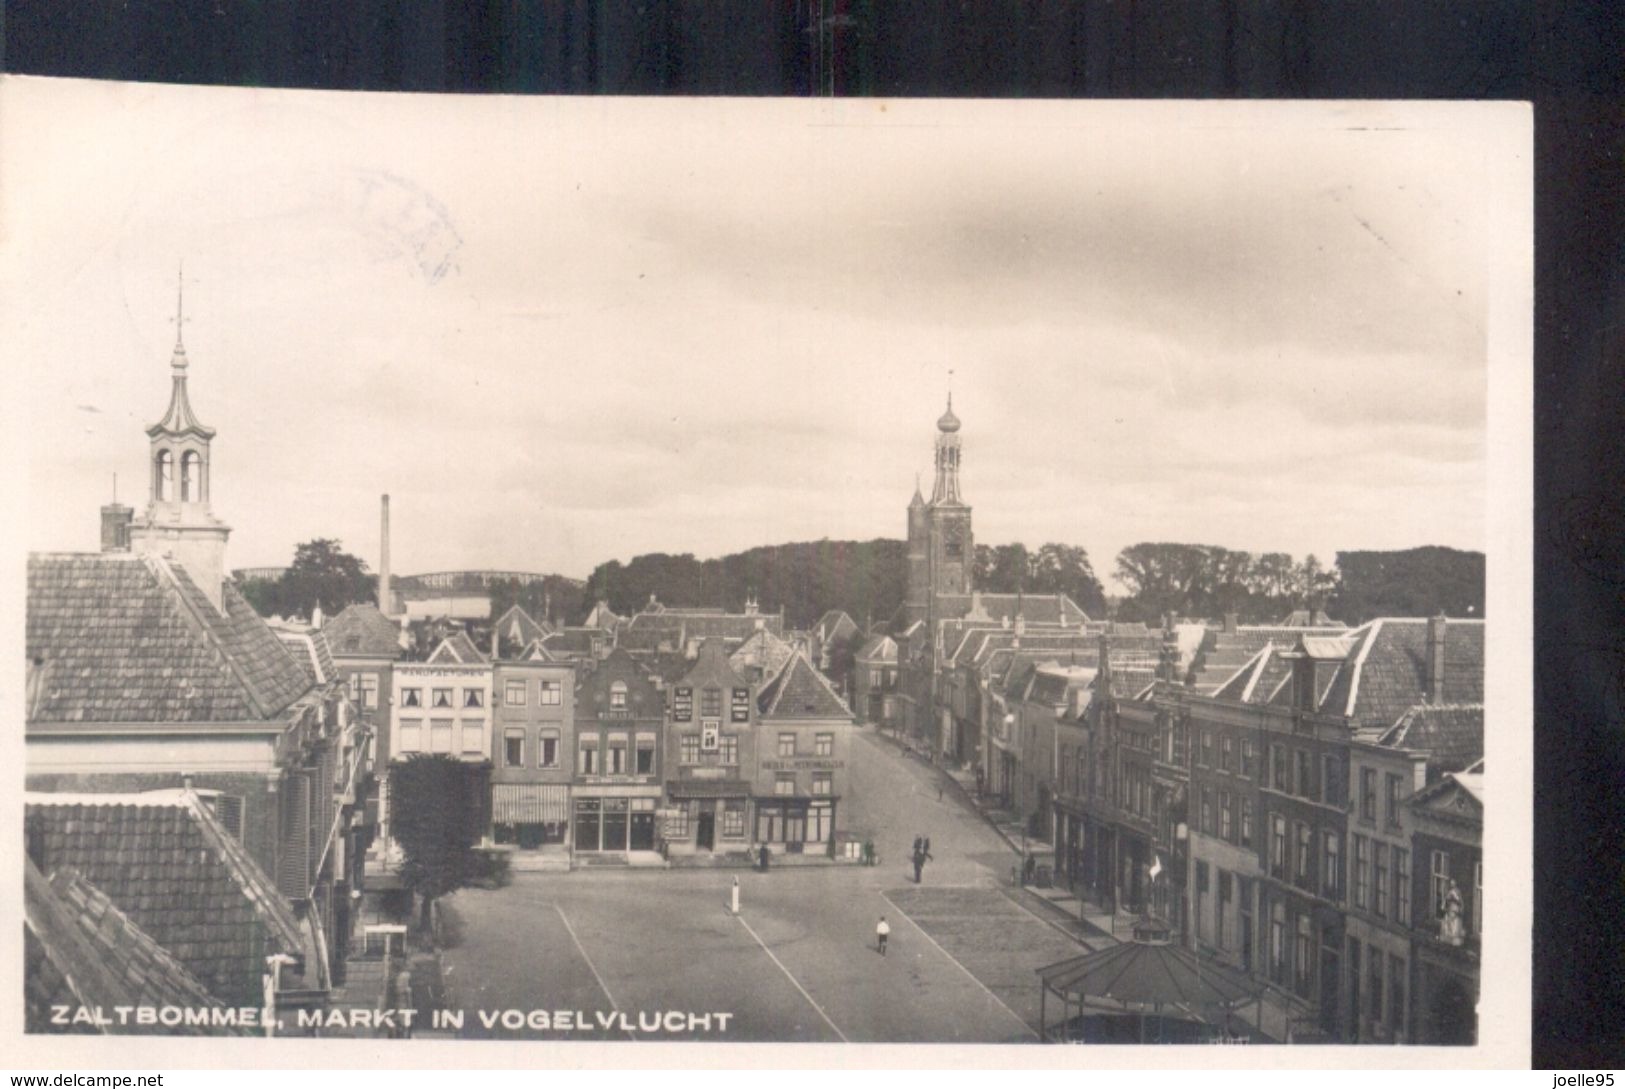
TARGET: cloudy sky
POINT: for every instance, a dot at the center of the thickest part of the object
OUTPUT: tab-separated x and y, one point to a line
564	331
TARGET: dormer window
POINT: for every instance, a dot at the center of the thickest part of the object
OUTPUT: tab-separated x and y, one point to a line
617	696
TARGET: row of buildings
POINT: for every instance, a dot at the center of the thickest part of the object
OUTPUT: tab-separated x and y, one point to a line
1301	802
681	731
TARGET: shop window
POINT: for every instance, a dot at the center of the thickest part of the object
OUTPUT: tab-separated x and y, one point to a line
677	823
733	820
820	822
513	693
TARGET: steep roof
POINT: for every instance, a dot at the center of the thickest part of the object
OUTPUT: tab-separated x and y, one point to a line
833	623
458	649
1451	734
879	648
800	691
1387	671
127	637
176	872
1037	608
704	624
363	631
518	628
1226	652
1305	618
643	699
572	642
311	650
764	650
83	951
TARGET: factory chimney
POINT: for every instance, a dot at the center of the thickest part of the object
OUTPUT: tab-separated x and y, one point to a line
385	603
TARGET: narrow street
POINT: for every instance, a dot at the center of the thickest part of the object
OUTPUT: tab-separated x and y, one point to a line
799	962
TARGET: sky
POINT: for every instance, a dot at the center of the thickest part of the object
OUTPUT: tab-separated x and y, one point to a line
563	331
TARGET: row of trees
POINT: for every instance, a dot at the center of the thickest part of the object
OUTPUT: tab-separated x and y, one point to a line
868	580
1209	581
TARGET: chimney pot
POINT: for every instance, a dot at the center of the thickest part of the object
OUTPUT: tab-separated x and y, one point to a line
116	518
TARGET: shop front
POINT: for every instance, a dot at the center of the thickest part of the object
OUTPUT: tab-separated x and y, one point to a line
530	815
795	825
615	822
706	815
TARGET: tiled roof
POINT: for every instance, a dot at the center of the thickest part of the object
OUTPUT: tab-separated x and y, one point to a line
830	625
880	648
1303	618
178	874
800	691
83	951
643	699
1037	608
690	624
363	631
1451	734
458	649
518	628
310	649
1228	652
764	650
1387	673
572	642
125	637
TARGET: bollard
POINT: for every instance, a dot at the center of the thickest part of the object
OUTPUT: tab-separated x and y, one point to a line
736	896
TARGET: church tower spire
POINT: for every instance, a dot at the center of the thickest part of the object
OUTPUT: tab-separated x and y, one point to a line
946	490
179	522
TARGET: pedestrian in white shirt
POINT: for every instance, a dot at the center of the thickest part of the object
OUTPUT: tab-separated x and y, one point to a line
882	932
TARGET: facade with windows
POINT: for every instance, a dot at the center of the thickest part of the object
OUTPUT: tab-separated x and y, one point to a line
1381	895
534	701
615	794
439	706
802	753
1448	894
710	746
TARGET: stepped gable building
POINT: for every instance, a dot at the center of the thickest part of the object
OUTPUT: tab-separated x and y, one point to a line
148	671
941	550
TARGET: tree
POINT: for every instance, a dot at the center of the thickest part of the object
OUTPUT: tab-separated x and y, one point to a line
322	573
1414	582
437	814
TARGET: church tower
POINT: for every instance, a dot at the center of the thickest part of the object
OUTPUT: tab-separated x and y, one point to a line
952	547
918	597
179	523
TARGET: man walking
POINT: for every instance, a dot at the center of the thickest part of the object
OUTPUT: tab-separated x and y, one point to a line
882	932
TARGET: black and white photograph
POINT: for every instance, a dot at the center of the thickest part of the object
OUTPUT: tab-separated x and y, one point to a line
846	572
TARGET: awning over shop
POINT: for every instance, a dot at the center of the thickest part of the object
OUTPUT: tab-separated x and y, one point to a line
682	789
529	803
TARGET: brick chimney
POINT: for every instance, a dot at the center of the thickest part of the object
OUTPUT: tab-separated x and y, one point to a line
1303	682
116	518
1231	622
1435	677
1105	664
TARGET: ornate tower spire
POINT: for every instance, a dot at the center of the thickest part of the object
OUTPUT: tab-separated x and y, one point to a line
946	489
179	522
